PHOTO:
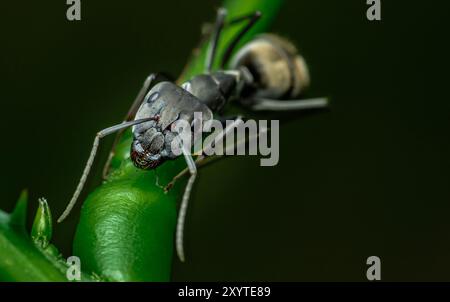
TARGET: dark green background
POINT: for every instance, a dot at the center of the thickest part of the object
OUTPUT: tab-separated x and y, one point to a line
369	177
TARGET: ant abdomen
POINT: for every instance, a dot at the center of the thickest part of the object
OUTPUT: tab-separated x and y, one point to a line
278	70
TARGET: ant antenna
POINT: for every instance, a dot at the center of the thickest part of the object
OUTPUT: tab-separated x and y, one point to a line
90	161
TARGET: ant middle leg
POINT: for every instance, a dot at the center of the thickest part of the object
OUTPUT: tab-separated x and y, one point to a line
203	157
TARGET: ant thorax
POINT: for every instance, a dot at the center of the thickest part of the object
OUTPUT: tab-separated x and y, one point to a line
213	90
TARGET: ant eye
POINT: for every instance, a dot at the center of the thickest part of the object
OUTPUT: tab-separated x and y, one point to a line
153	97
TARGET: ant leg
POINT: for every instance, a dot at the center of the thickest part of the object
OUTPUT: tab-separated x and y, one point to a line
148	83
210	55
205	35
90	161
206	150
192	167
218	27
252	19
201	159
261	104
184	203
204	160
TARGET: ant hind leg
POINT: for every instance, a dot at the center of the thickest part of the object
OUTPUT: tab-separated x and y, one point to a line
263	104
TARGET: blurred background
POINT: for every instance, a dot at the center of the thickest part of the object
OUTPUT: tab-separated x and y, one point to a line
369	177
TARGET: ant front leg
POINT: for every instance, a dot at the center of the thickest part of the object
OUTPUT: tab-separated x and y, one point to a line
192	170
179	236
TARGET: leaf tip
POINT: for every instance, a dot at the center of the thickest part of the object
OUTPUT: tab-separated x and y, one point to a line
19	214
42	229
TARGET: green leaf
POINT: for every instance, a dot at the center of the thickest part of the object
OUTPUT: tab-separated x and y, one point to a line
19	215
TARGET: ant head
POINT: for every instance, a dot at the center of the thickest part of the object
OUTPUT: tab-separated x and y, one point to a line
147	149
